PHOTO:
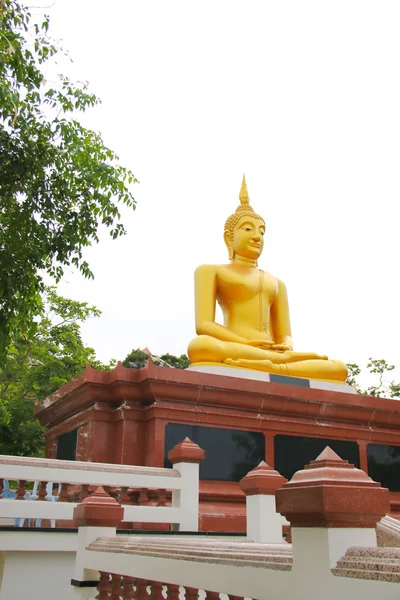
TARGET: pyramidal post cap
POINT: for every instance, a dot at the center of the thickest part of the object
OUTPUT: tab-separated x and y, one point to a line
328	466
262	480
187	451
331	492
99	510
328	457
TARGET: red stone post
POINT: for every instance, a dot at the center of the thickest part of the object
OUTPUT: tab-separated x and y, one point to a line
331	506
264	524
186	458
98	515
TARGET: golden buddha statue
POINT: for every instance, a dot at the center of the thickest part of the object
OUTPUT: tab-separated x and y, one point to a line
256	331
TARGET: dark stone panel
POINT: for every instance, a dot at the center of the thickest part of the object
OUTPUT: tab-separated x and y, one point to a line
384	465
66	445
230	454
84	584
289	380
292	453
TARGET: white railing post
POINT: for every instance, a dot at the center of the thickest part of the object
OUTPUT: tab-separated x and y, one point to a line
331	506
263	523
97	516
186	458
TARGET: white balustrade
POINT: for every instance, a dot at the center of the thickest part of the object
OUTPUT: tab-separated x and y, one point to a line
322	562
180	481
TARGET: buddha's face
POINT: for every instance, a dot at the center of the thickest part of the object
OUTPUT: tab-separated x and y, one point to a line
248	238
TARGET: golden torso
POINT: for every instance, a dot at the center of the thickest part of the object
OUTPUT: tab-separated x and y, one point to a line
245	296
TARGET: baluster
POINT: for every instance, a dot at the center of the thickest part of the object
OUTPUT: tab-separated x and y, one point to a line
1	488
115	493
108	586
103	586
162	498
134	496
191	593
287	531
150	498
129	592
116	591
124	497
141	589
143	497
42	490
21	490
63	493
156	590
85	491
212	596
111	491
172	591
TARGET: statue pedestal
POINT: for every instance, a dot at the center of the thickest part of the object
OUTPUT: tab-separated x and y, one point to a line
241	373
130	416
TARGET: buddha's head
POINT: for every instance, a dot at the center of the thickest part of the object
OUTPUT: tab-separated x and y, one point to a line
244	230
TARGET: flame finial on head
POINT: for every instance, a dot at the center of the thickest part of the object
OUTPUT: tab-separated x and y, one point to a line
244	194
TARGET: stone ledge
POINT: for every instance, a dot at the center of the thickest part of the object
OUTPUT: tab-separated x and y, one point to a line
269	556
388	532
378	564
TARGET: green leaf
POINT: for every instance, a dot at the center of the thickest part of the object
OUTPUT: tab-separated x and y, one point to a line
59	181
36	366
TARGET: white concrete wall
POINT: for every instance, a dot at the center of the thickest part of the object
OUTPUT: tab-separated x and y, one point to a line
39	566
36	575
313	583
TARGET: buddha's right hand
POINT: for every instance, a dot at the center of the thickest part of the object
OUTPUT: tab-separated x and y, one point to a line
260	343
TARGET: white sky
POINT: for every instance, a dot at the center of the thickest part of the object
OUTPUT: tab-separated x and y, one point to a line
304	97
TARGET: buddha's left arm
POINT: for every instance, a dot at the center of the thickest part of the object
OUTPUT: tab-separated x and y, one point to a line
280	317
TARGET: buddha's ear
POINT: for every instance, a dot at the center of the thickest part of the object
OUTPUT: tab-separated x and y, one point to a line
229	244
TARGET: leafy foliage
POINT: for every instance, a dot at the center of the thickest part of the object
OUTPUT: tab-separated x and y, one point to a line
58	182
181	362
34	368
383	387
137	359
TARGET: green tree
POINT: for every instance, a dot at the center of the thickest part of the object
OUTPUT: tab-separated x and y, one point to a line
181	362
136	359
58	181
36	367
383	387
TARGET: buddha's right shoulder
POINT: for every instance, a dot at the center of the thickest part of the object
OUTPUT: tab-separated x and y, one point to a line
206	270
